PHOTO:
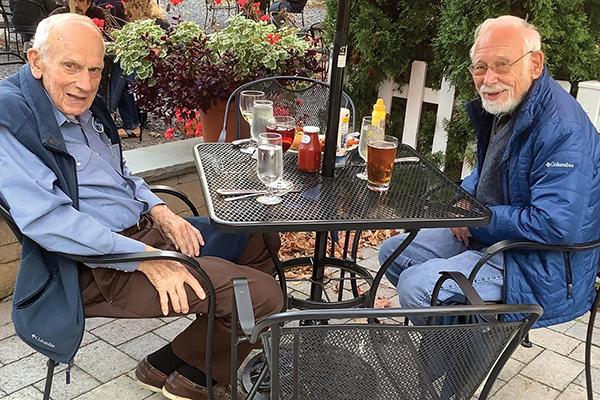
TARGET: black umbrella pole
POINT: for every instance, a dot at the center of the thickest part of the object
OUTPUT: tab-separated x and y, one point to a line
338	65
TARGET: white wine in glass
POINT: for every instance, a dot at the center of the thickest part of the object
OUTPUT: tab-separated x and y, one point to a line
247	98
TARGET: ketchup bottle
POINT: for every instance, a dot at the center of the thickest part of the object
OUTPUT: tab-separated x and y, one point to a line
309	151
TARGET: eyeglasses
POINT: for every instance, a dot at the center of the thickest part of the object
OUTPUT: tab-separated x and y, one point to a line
500	67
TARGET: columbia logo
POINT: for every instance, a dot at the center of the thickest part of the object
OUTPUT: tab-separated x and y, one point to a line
42	341
556	164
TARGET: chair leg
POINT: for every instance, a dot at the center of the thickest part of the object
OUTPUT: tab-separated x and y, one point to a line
588	346
49	376
526	342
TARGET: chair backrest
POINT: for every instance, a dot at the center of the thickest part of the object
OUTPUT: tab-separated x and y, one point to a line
304	98
368	360
5	215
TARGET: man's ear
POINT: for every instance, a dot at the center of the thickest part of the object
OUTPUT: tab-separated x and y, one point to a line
537	64
35	63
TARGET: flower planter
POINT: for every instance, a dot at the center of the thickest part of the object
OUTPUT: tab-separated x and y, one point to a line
212	124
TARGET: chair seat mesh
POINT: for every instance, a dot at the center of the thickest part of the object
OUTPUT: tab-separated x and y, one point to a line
387	362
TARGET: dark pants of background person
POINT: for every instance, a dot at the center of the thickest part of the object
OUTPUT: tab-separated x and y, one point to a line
295	7
122	99
116	294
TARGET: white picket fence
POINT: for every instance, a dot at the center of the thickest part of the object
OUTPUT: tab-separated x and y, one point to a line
416	94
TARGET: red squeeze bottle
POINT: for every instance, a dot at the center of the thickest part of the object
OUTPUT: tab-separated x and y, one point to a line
309	151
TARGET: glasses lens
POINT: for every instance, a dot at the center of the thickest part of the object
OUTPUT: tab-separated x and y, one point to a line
478	70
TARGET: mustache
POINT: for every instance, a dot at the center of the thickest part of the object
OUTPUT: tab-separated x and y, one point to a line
493	88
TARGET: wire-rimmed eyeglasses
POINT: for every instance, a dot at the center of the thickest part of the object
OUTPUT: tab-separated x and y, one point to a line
499	67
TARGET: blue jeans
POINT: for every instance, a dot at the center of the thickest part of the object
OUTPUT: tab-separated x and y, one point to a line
228	246
416	270
122	99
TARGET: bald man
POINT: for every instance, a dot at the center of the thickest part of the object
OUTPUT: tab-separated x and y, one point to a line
538	156
69	191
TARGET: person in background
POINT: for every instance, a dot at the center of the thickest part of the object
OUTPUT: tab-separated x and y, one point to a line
538	161
81	7
28	13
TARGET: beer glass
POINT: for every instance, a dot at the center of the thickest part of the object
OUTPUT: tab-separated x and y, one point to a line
380	162
367	132
270	165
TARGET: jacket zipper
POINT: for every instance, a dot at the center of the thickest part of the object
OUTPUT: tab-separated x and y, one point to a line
568	274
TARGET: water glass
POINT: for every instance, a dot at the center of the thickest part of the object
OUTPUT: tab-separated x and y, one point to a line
367	132
262	111
270	165
380	162
286	127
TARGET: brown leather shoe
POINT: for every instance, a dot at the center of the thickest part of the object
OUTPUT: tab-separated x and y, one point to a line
178	387
149	377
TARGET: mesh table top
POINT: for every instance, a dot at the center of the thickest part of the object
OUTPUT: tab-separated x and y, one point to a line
420	196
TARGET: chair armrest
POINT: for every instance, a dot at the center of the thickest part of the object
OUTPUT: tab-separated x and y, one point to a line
176	193
243	305
505	245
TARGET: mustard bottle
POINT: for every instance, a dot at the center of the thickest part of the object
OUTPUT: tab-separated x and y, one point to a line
378	115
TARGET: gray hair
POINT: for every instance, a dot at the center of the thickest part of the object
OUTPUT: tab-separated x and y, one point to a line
40	40
531	36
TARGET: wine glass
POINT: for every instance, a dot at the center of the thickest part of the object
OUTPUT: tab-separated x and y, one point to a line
286	127
367	132
270	165
247	98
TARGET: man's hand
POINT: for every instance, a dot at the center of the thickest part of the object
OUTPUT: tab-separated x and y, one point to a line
186	238
462	234
169	277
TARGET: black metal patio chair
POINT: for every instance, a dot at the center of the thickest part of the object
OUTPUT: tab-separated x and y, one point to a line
12	51
212	7
508	245
306	99
137	257
364	359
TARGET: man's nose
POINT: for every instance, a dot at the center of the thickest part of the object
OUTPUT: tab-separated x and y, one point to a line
84	81
490	76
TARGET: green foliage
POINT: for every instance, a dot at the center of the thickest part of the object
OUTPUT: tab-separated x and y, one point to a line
133	43
387	35
257	45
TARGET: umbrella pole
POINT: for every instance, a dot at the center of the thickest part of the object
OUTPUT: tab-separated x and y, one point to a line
338	65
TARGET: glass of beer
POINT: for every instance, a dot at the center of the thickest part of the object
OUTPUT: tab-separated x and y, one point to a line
368	132
380	162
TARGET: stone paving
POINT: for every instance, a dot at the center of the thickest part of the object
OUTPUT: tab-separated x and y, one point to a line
552	369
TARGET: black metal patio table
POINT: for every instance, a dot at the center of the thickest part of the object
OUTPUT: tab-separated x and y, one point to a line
420	196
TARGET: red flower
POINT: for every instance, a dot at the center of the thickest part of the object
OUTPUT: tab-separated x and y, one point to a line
273	38
242	3
175	2
169	133
264	18
218	2
99	23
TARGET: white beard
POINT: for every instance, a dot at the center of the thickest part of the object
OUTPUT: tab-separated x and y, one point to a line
499	106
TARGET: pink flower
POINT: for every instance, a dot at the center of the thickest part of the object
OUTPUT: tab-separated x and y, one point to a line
109	6
169	133
99	23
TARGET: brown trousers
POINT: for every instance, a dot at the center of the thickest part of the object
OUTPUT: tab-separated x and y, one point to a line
117	294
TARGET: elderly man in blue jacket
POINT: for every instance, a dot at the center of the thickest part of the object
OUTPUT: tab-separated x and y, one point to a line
538	156
68	190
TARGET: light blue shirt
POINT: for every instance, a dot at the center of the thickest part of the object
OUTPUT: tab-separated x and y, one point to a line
109	201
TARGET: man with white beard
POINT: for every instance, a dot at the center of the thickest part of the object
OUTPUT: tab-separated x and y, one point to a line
538	156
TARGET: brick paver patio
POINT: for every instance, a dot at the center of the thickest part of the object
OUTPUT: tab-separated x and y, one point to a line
552	369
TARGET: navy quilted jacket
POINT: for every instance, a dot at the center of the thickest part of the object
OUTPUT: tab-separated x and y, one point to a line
551	189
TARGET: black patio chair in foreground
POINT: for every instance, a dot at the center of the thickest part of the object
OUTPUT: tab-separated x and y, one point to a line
131	257
364	359
508	245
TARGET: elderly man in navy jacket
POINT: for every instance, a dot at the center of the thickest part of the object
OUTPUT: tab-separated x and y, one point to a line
538	156
68	190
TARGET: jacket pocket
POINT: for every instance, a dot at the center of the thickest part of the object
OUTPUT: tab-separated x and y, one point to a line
36	296
568	274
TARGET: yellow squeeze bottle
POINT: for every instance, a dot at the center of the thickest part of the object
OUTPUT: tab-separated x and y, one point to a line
378	115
